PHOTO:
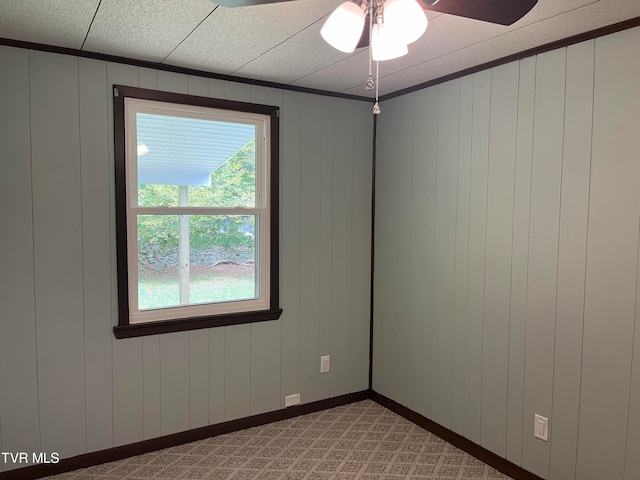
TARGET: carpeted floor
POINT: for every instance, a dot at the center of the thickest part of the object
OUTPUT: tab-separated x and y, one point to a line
361	441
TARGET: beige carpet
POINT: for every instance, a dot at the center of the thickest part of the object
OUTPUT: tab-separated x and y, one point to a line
361	441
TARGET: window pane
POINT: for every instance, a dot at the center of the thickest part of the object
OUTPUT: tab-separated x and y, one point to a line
217	264
213	160
158	279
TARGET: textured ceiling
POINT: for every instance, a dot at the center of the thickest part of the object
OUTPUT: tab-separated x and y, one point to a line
281	42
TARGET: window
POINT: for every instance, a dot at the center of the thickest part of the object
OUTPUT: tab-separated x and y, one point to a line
196	212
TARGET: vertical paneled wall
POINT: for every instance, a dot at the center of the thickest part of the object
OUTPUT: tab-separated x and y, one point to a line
507	214
66	384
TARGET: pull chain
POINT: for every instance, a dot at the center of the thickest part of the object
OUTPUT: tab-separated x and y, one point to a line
376	106
370	85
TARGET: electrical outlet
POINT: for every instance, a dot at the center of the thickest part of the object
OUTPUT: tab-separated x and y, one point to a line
325	363
291	400
541	427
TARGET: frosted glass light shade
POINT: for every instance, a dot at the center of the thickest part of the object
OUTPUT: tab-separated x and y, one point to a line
406	18
385	45
343	28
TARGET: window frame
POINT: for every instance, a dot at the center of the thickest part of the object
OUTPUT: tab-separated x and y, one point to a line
127	328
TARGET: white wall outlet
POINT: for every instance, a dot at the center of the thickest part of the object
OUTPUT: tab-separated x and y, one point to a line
325	363
291	400
541	427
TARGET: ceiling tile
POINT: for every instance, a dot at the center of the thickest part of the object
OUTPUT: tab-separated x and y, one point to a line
301	55
146	29
51	22
232	37
348	73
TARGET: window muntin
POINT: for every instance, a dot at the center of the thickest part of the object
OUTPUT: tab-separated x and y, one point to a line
192	208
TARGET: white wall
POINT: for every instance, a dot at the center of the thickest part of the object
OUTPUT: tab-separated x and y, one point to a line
507	215
66	384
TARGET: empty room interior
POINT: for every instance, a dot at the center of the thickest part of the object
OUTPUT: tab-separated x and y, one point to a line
220	216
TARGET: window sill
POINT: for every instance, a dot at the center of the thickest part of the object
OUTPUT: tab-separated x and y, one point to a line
185	324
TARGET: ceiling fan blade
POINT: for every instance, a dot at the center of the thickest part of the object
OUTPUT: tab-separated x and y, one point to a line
246	3
503	12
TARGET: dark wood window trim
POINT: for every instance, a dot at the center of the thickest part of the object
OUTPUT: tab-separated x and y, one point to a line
126	330
183	324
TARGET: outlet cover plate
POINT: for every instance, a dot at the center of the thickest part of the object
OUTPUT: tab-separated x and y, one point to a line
541	427
291	400
325	363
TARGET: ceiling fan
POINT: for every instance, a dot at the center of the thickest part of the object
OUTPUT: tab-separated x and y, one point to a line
389	26
503	12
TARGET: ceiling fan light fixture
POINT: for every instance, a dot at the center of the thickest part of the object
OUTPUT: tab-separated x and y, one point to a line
385	45
406	19
394	24
343	28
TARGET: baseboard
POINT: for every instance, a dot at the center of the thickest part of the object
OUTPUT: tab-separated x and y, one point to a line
146	446
464	444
